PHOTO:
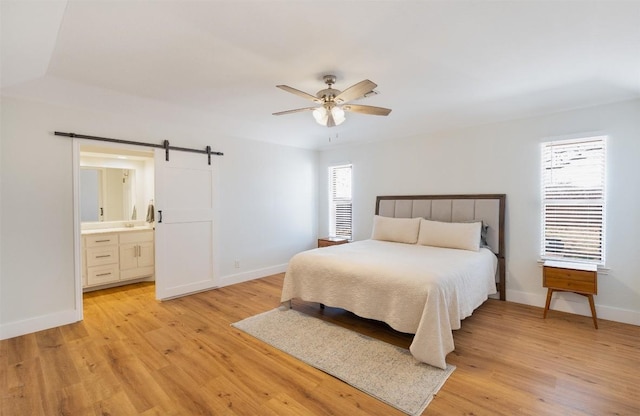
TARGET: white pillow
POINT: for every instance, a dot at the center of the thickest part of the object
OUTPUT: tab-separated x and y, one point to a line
399	230
460	235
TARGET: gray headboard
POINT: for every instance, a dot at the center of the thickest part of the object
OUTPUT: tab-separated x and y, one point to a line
455	208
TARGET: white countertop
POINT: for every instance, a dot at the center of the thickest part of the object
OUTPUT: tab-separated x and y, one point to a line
115	230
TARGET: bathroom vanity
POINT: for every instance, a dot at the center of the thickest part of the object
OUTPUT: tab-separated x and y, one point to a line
112	256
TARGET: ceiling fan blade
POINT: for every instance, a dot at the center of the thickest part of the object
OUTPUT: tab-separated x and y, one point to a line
297	110
355	91
367	109
300	93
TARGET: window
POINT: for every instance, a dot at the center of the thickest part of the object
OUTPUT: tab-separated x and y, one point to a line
340	201
573	198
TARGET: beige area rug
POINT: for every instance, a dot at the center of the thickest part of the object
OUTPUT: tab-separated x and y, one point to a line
382	370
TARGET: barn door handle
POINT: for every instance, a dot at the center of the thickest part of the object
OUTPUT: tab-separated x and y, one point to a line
160	215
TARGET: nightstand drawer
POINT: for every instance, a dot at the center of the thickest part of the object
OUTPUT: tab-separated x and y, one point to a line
331	241
569	279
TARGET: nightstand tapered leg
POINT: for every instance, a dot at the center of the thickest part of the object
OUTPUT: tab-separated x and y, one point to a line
593	311
546	306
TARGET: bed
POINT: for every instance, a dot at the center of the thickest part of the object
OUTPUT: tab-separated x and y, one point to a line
430	262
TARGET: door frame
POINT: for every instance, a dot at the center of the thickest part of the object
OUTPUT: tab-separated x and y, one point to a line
77	237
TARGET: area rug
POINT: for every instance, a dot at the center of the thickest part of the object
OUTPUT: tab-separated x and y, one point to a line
382	370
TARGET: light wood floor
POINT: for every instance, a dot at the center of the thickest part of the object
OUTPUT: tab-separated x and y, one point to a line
135	356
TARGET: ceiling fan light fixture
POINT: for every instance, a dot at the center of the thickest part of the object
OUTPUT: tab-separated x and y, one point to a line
338	115
333	102
321	115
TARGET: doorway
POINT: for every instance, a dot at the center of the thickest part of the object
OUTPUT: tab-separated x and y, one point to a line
116	216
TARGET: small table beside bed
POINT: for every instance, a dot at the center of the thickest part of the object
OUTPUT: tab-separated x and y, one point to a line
430	262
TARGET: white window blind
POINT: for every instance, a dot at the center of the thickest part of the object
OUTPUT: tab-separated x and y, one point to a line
340	213
573	195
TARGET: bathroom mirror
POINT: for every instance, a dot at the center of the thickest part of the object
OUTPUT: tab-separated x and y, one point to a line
107	194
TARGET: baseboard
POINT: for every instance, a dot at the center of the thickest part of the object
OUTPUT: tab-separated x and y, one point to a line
251	275
40	323
572	303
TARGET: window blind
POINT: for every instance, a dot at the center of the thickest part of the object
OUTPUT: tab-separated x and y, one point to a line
573	194
340	201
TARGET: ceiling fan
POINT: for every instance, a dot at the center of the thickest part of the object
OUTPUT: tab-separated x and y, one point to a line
333	102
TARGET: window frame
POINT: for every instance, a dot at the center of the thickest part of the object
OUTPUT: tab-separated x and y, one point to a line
589	204
333	202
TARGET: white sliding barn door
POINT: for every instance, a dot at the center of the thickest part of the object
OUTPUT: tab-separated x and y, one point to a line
184	224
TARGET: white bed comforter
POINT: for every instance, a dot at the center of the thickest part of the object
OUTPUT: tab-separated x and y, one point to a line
416	289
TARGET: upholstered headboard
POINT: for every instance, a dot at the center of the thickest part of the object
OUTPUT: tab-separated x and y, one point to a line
455	208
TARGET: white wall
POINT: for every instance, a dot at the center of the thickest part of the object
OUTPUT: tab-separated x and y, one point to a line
505	158
267	207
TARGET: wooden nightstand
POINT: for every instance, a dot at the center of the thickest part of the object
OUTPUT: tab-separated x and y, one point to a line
331	241
571	277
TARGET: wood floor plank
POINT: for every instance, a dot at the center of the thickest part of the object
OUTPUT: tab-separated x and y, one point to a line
196	401
20	348
57	374
21	394
115	404
96	374
72	400
133	355
135	379
284	405
235	398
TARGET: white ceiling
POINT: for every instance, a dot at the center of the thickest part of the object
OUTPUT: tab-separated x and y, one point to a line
438	64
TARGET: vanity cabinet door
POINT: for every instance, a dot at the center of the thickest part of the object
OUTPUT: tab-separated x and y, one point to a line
128	256
136	255
146	255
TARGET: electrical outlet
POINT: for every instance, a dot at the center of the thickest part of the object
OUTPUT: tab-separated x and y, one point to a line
237	264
